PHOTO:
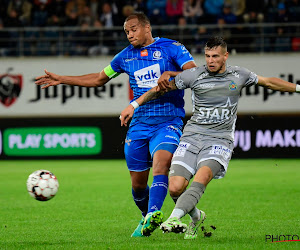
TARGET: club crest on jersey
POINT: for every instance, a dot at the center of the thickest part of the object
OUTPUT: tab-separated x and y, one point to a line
232	86
157	55
144	52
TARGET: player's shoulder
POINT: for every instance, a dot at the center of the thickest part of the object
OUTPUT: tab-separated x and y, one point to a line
124	51
195	72
166	42
238	69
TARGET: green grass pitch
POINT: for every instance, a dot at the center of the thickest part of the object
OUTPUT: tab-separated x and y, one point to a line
93	208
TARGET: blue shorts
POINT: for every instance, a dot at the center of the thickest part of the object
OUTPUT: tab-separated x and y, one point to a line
143	140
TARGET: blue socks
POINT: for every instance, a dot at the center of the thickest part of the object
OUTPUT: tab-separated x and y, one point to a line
141	199
151	201
158	192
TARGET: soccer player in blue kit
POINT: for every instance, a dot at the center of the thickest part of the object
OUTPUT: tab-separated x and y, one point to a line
155	129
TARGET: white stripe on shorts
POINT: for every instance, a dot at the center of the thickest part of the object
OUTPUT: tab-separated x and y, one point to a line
187	167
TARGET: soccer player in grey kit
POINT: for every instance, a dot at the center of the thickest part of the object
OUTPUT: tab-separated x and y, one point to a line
206	145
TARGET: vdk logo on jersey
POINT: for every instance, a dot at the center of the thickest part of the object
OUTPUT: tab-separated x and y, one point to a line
147	77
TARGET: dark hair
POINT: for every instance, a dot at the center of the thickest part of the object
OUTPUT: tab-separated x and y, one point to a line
142	18
216	41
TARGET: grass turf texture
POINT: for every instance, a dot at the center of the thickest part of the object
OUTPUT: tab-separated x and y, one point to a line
93	208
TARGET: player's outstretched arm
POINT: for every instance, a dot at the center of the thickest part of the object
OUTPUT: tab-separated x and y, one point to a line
163	81
151	94
89	80
278	84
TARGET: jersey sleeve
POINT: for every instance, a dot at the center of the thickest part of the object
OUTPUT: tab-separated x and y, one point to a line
181	55
116	64
251	79
185	79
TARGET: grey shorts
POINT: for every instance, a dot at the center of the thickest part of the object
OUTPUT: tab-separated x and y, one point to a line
194	149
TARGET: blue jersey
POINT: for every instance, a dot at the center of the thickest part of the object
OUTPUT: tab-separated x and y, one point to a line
144	67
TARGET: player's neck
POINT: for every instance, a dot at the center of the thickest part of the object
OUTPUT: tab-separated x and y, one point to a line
149	41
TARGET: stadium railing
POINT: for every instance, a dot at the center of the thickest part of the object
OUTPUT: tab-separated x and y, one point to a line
76	41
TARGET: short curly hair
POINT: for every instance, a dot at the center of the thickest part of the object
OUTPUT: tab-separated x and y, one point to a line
142	18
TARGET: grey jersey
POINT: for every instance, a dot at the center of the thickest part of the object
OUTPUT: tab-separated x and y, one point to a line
215	98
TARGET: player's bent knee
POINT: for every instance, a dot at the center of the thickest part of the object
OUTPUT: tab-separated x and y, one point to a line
177	185
139	186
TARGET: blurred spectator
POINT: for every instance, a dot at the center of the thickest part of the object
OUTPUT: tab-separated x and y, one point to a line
227	15
139	5
201	39
107	16
22	9
39	2
255	14
223	30
186	34
52	34
86	16
157	11
57	12
95	7
82	40
127	11
3	9
282	42
40	15
293	7
108	20
238	8
74	9
212	9
241	36
12	19
192	11
296	44
117	6
4	41
254	11
174	10
282	15
97	48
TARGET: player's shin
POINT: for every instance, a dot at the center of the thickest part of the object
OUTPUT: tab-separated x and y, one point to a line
158	192
188	201
141	199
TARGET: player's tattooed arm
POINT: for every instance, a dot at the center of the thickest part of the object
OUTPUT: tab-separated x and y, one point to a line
155	93
151	94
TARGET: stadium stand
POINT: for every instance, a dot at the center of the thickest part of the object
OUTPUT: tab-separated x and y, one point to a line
91	27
